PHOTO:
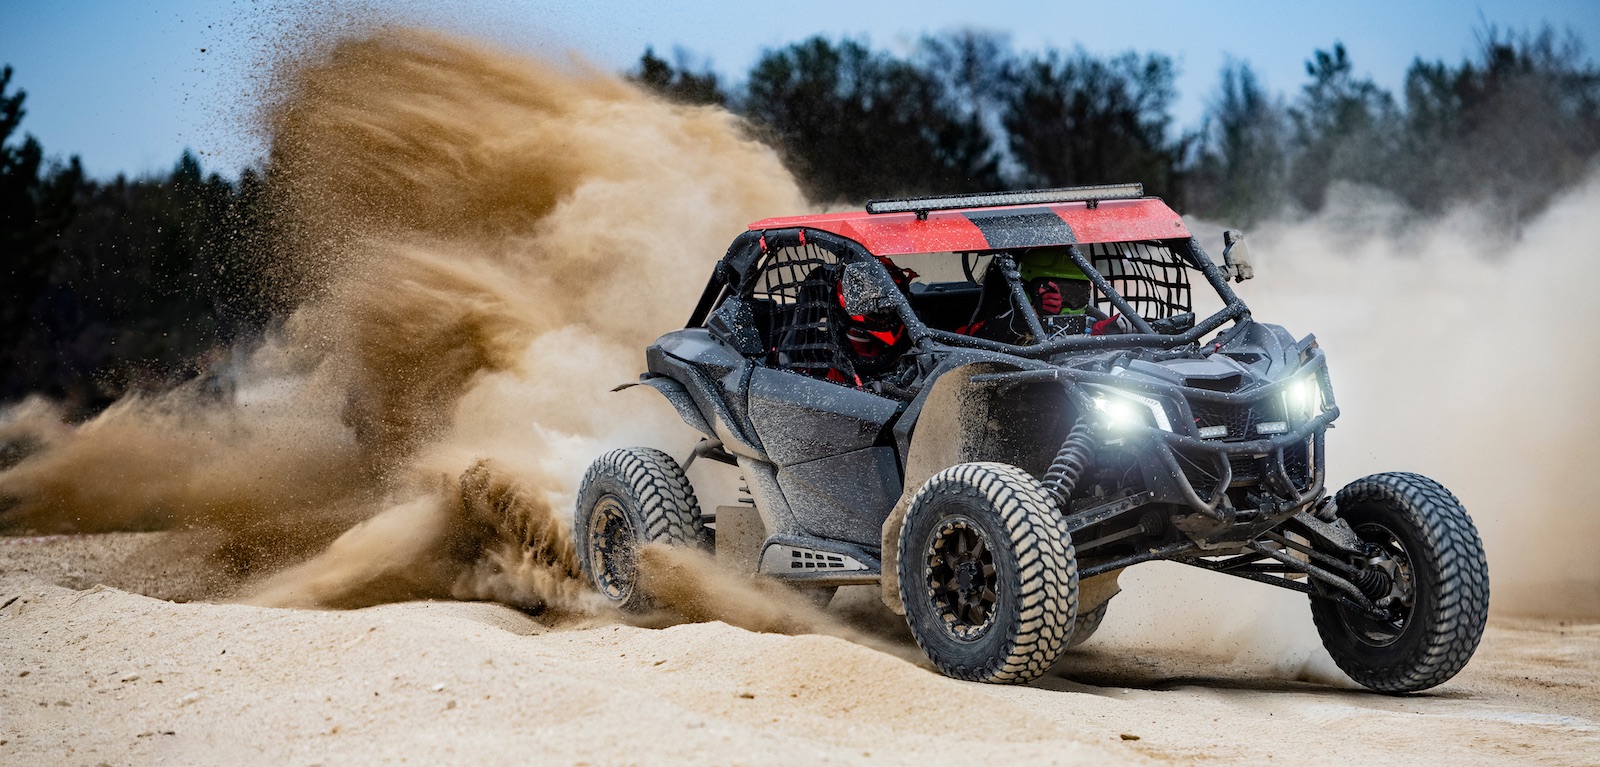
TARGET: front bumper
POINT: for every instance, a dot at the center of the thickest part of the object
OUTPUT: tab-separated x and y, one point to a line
1289	466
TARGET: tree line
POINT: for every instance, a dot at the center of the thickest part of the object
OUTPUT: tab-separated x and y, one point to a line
108	286
112	285
1515	123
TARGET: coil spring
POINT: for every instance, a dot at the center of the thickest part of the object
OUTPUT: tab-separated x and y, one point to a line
1070	461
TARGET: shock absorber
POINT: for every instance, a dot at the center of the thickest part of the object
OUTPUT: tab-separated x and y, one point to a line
1070	461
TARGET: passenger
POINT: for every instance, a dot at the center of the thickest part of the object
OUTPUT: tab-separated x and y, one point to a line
1058	289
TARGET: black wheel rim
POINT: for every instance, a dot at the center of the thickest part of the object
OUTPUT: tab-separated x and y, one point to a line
613	546
962	581
1389	557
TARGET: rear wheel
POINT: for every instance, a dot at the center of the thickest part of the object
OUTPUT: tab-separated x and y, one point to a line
1425	565
629	497
987	574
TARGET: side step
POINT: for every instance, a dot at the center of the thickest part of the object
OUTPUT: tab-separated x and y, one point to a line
817	561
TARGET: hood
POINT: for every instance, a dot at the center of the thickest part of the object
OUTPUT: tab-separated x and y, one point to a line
1260	354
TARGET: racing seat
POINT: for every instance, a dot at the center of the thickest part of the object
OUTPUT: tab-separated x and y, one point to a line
996	317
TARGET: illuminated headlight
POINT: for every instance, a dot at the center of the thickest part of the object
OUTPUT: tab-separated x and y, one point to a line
1119	409
1303	399
1213	432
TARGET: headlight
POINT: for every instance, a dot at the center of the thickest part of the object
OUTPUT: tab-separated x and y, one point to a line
1302	400
1119	409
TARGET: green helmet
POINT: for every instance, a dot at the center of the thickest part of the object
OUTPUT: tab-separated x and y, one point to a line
1051	270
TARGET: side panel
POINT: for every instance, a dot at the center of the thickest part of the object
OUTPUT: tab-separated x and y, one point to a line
839	482
800	419
762	479
844	497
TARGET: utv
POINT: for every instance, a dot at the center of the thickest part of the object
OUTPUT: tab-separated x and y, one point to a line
992	404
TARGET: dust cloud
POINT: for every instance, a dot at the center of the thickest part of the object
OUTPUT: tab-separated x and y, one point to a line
1466	354
478	245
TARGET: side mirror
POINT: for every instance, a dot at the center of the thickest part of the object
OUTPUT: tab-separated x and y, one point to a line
866	290
1236	257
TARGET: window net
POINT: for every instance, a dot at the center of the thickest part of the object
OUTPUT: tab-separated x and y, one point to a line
1153	279
796	308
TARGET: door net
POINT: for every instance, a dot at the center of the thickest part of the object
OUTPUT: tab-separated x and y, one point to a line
798	312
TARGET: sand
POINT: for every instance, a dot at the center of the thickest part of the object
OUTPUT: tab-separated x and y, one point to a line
94	674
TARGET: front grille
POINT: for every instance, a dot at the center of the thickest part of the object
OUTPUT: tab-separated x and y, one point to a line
1236	418
1241	420
1299	460
1246	468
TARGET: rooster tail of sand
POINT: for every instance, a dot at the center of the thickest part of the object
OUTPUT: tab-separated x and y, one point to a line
477	245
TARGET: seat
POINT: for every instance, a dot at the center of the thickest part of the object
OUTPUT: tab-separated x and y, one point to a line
996	317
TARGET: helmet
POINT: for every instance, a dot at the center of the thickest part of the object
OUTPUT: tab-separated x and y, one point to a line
875	340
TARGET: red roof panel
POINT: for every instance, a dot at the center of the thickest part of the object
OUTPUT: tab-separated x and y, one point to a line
893	234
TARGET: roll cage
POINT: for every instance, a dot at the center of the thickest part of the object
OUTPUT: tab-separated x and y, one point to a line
737	272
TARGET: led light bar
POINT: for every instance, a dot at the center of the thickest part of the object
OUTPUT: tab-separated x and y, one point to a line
1213	432
921	205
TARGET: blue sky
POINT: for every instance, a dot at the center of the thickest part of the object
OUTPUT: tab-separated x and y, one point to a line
126	86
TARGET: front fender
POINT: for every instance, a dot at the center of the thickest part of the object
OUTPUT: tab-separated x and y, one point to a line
951	423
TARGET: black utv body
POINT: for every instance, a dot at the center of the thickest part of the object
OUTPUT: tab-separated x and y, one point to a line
995	468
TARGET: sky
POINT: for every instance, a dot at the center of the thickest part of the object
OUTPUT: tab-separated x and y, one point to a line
128	85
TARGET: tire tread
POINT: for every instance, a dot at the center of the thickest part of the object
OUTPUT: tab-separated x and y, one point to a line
1460	570
1047	583
657	485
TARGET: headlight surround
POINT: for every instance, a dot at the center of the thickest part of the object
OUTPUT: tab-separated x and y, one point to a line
1120	408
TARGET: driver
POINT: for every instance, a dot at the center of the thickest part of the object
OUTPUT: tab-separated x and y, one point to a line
874	341
1056	287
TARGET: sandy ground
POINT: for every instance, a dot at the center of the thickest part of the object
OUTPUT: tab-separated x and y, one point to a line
97	675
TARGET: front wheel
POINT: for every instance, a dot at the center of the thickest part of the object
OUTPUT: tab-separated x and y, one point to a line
1425	565
987	574
1088	623
629	497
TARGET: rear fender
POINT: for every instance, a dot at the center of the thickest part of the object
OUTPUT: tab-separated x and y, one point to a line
680	399
959	421
715	378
